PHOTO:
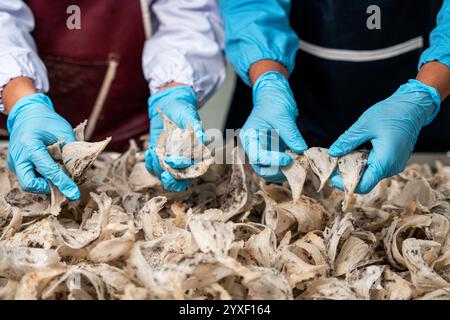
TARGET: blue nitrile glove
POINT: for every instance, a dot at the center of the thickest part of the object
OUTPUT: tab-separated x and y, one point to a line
392	126
33	124
179	104
274	110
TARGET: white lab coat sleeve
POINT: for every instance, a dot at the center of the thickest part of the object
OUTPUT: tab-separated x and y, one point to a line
186	46
18	54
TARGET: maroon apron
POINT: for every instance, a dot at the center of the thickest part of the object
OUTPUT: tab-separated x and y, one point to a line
77	61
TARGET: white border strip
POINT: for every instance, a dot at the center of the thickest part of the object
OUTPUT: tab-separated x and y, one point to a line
362	55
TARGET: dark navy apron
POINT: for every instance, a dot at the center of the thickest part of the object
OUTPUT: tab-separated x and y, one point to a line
343	67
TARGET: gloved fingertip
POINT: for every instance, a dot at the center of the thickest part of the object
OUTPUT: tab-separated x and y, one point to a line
203	137
37	185
152	163
336	181
285	159
181	186
335	150
179	162
198	131
67	187
171	184
167	180
68	139
300	149
72	193
270	174
298	145
148	156
368	181
148	161
292	137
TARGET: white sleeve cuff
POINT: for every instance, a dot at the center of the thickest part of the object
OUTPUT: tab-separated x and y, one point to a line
167	67
186	47
173	66
23	64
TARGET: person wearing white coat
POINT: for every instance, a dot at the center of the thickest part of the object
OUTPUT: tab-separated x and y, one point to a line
62	62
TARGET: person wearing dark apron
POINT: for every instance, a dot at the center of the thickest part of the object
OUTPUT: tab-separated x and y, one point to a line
351	80
99	59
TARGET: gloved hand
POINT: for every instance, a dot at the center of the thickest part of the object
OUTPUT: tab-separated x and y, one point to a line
33	124
273	117
179	104
392	126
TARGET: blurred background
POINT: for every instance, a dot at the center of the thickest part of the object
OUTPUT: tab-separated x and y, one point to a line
214	113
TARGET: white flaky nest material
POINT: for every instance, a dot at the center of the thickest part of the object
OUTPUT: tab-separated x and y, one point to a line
229	236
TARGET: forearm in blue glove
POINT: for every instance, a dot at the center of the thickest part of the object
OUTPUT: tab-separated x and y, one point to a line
180	105
274	110
33	125
392	126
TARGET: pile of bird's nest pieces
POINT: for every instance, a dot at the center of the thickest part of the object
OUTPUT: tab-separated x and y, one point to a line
229	236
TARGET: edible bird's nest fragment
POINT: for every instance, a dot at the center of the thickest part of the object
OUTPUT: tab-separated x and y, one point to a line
176	141
231	236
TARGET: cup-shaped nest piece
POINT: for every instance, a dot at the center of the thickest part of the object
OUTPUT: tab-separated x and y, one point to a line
351	167
176	141
296	174
321	163
78	156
